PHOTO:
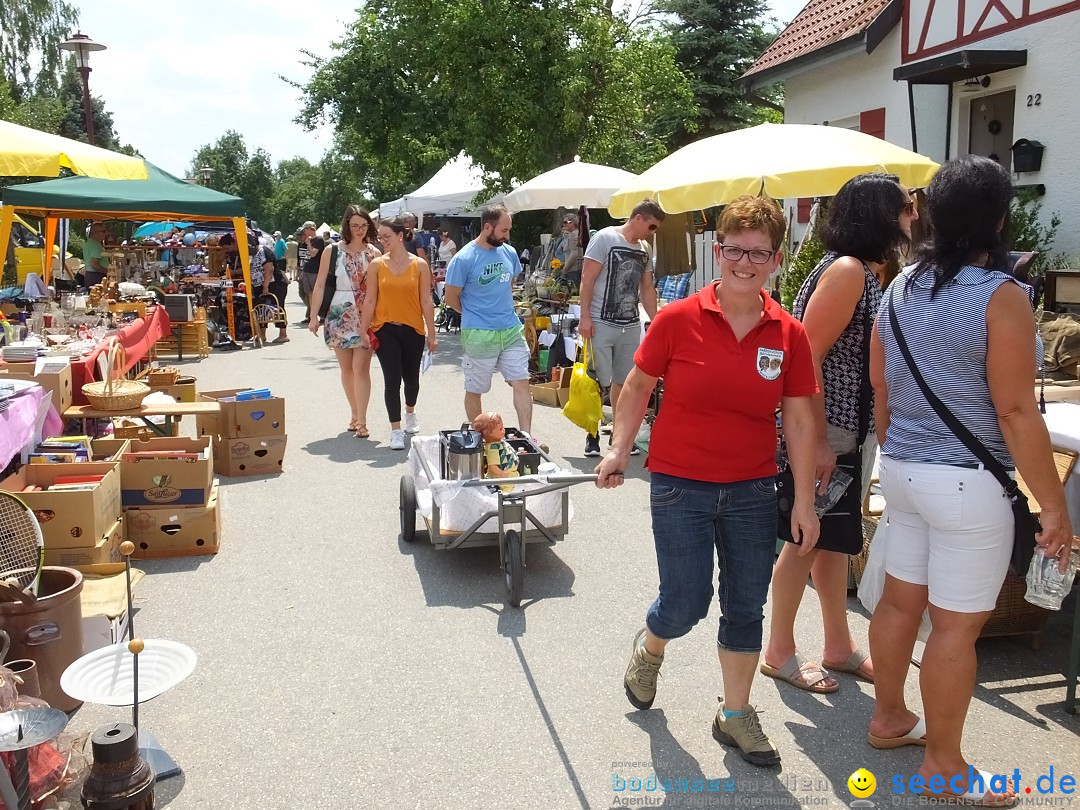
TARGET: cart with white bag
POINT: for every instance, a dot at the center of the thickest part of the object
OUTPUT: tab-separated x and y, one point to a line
478	512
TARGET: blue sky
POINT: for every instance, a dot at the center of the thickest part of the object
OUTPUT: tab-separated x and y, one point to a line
176	80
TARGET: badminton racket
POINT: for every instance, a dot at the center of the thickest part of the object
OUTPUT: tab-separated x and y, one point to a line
22	548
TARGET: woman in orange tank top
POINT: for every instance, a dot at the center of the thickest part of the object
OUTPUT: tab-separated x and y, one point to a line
399	312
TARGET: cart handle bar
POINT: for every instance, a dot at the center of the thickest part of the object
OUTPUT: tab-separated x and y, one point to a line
579	478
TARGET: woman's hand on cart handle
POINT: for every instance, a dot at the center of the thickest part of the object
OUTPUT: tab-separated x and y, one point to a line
610	472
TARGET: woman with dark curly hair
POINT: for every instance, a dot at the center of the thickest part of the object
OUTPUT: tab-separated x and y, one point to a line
869	224
342	328
969	330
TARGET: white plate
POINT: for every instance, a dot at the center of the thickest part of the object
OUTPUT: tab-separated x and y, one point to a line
18	385
107	675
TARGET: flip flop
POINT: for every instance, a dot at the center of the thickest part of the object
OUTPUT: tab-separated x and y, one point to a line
361	431
793	669
852	666
917	736
972	798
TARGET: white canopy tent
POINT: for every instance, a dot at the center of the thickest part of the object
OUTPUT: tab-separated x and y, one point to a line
570	186
449	193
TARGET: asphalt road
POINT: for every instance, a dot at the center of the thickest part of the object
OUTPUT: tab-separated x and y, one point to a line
341	668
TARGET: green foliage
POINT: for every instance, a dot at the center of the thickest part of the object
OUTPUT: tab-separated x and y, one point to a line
237	172
520	87
30	31
1030	232
73	123
33	111
715	42
810	253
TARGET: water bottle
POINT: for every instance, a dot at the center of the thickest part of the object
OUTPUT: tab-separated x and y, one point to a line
1047	587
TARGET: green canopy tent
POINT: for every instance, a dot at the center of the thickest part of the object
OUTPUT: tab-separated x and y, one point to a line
160	196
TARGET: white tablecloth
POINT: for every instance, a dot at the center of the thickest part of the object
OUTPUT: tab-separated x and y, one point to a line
1063	422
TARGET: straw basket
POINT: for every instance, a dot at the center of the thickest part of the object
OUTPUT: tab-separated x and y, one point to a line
115	393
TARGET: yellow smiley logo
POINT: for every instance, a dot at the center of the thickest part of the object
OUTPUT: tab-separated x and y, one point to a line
862	783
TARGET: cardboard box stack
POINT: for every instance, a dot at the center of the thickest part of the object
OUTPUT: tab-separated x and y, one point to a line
555	393
169	497
79	509
249	433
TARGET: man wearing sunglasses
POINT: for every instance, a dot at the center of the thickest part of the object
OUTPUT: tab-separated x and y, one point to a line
617	278
568	251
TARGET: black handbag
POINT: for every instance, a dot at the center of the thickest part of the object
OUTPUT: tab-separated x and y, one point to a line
1026	524
842	524
330	284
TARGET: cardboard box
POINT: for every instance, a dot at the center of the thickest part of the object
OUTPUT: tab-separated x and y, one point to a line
107	449
73	519
167	482
550	393
105	552
181	532
257	455
125	427
58	381
257	417
163	482
181	392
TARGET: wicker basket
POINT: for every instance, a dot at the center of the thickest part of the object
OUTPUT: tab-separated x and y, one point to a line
166	375
115	393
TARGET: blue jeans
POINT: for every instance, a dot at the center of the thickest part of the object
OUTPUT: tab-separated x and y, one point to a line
737	520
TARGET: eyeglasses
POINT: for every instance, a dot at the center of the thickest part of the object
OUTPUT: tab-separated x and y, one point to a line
756	256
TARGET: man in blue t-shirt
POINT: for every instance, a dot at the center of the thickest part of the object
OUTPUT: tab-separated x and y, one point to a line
479	285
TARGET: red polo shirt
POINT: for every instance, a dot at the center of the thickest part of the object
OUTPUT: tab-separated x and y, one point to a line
717	422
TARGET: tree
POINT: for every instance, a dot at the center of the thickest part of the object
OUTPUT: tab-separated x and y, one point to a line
715	42
33	28
37	112
520	87
73	123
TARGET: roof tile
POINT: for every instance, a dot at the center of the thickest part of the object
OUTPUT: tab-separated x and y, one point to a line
820	23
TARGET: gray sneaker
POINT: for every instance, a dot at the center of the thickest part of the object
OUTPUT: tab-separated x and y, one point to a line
745	733
641	674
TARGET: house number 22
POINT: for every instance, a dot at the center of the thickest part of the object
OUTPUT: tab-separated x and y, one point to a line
1034	100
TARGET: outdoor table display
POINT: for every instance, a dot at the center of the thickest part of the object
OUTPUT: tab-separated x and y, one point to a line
18	423
138	339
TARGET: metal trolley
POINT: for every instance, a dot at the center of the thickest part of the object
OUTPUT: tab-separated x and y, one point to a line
511	509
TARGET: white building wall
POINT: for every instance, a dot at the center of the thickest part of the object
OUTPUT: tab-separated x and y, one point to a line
838	91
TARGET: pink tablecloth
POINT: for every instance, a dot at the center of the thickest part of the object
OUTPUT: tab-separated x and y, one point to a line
138	338
18	423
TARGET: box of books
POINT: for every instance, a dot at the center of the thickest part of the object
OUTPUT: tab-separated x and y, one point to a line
244	413
166	472
76	504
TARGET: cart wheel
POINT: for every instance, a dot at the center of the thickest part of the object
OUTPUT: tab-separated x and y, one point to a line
515	567
407	507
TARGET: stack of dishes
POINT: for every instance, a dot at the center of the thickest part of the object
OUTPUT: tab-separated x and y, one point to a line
21	352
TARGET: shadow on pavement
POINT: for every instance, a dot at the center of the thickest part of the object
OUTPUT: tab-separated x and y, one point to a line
471	577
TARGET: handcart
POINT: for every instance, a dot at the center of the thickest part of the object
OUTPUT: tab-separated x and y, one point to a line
511	523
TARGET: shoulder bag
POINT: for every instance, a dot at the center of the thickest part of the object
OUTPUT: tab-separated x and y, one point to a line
1026	524
841	526
330	285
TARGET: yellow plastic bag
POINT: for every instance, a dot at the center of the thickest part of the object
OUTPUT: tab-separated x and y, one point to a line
585	407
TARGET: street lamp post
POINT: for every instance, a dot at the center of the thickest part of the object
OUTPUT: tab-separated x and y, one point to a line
206	171
82	46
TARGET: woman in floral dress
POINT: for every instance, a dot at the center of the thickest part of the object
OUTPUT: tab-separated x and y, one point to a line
341	322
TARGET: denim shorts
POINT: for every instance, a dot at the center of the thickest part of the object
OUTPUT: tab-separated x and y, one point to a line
735	521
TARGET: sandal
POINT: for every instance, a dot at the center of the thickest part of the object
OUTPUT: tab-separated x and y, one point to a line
280	339
917	736
852	666
361	431
801	674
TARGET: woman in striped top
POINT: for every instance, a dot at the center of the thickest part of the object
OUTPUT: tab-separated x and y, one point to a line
971	333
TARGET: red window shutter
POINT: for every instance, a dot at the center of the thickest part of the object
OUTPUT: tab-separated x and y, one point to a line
802	213
872	122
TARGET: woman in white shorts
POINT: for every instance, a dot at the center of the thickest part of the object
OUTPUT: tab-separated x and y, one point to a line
970	329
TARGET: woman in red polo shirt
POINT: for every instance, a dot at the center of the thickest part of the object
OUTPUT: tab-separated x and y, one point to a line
729	357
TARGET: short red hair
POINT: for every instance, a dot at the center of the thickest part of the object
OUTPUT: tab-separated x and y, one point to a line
749	213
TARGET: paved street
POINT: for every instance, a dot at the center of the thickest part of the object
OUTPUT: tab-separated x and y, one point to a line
339	667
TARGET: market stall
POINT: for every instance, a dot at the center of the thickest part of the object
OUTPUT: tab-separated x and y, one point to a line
161	196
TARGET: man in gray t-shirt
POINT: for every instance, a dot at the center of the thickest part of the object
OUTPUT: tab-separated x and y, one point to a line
617	277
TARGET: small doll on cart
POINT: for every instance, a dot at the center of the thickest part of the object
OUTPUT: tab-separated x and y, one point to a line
501	459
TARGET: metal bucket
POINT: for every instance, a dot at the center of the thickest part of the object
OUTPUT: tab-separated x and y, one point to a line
50	631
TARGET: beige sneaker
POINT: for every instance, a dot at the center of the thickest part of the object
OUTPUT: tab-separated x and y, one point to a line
641	674
745	733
